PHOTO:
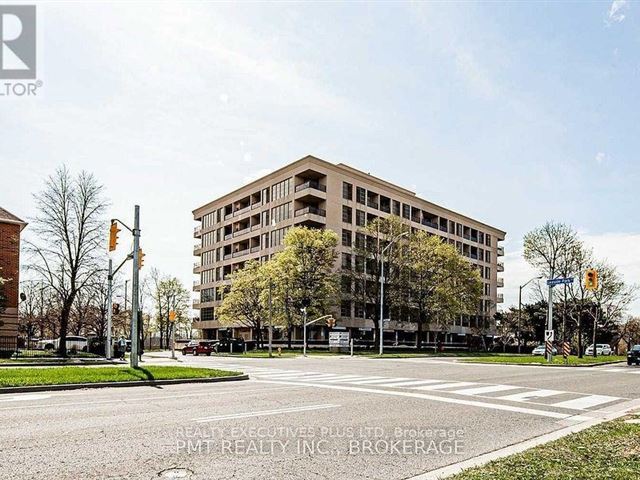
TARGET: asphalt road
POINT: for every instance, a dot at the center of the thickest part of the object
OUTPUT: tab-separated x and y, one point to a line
302	418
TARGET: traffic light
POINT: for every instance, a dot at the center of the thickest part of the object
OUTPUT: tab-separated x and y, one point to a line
140	258
331	322
172	316
591	279
115	308
113	235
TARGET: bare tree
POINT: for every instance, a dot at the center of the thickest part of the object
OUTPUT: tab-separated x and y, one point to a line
69	229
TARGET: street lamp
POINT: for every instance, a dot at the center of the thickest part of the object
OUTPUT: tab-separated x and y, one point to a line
539	277
393	240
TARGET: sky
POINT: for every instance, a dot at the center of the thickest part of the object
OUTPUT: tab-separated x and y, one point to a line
512	113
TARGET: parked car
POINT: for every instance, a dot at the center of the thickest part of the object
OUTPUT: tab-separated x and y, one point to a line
73	343
541	349
633	355
198	348
601	349
224	345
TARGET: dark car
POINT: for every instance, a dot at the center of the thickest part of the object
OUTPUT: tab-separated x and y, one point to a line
633	355
225	344
198	348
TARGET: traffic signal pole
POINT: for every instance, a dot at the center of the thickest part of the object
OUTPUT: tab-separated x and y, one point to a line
133	359
107	350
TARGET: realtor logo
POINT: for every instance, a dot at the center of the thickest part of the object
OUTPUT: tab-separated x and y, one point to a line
17	42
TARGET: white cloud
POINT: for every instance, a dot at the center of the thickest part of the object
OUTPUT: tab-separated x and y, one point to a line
601	157
615	13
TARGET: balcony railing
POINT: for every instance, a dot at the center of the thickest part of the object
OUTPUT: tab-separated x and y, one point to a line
197	265
228	216
500	298
197	247
500	282
256	227
197	231
311	184
240	253
255	249
372	204
241	211
429	224
500	251
256	205
237	233
228	236
500	267
313	210
227	256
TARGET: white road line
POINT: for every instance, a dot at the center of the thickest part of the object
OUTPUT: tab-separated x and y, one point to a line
263	413
588	401
374	380
524	396
350	380
444	385
286	375
409	384
481	390
340	378
435	398
26	398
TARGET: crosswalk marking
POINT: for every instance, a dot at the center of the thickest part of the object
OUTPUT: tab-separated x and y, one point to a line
442	386
375	380
409	384
342	378
583	403
525	396
486	389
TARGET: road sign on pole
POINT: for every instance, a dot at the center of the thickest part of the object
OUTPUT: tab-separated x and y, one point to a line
552	282
549	336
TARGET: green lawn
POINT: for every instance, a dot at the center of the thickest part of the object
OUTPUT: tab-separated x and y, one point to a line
607	451
557	360
18	377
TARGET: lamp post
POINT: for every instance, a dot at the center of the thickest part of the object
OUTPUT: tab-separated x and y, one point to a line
520	307
393	240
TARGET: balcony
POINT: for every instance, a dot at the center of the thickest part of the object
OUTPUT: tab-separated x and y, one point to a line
310	210
255	249
428	223
311	184
256	205
500	267
241	253
500	283
256	227
228	236
500	298
197	232
241	211
196	248
237	233
501	251
228	256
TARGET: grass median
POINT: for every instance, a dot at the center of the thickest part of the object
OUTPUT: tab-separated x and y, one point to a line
538	360
22	377
610	450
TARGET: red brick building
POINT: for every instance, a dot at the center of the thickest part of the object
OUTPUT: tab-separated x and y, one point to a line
10	228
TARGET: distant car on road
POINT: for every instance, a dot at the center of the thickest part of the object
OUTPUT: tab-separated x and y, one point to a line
601	349
224	345
198	348
541	349
73	343
633	355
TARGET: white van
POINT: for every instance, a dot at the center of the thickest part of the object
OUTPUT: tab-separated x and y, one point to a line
79	344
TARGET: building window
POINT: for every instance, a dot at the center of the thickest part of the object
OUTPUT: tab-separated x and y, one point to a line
361	195
406	211
346	261
487	289
359	313
487	240
345	308
281	212
206	314
361	218
347	214
487	272
346	238
360	239
396	208
487	256
277	236
281	189
347	191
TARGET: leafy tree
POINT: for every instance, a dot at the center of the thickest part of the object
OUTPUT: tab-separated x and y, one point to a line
168	294
70	231
442	283
244	302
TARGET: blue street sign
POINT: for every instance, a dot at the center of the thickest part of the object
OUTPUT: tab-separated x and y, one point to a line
559	281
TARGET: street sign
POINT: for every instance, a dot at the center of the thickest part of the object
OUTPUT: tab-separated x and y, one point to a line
549	336
560	281
339	339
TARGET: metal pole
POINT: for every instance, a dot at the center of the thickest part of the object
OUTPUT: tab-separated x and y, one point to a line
519	318
270	322
126	288
134	289
304	332
173	341
381	303
351	341
595	326
107	350
550	318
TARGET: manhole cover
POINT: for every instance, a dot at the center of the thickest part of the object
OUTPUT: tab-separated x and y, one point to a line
175	473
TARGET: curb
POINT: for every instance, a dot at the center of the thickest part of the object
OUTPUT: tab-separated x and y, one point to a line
584	365
59	364
134	383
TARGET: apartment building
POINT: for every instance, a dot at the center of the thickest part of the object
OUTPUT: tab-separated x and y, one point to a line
251	222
